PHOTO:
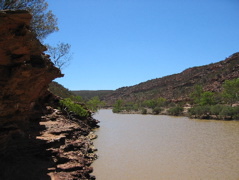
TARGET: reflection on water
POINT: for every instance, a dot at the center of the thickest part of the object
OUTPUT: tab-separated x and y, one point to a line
149	147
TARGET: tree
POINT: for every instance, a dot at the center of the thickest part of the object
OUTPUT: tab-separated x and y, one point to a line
196	94
94	103
118	106
60	54
231	90
150	103
175	111
43	22
207	98
161	101
157	110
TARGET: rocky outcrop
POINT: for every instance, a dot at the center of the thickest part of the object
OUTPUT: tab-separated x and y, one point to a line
177	87
68	145
25	74
36	140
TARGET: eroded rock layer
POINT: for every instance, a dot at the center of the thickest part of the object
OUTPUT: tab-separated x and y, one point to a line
36	140
25	74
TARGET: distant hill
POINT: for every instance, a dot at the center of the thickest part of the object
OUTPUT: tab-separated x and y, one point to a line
63	92
177	87
59	90
88	94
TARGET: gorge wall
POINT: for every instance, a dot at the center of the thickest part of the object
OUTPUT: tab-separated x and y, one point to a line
25	74
36	140
177	87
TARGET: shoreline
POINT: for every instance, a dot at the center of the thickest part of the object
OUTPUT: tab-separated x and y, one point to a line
184	114
70	145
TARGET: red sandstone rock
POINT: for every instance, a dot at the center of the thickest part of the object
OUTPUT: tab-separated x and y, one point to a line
36	141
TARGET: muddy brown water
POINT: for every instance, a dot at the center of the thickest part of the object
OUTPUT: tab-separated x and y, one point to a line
149	147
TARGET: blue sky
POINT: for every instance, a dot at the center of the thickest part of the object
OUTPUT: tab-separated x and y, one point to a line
118	43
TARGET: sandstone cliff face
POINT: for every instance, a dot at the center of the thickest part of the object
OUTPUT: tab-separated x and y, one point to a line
25	74
177	87
36	140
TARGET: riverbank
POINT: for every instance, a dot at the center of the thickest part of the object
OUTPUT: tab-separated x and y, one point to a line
69	144
58	148
215	112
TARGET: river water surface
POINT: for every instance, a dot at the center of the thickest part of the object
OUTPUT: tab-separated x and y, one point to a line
157	147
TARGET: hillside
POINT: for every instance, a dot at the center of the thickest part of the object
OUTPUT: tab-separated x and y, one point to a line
59	90
88	94
177	87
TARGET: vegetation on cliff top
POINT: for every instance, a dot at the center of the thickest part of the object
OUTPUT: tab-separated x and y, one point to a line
60	54
43	22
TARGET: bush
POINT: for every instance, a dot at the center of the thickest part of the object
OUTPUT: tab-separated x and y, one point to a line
175	111
236	113
69	106
116	110
153	103
220	111
200	110
118	106
227	112
129	107
157	110
144	111
94	104
216	109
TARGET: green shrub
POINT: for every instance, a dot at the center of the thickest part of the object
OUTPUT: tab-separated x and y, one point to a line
200	110
175	111
227	112
144	111
230	90
94	104
116	110
153	103
157	110
68	105
216	109
118	106
236	113
129	107
207	98
220	111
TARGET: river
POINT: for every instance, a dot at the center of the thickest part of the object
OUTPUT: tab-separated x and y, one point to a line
158	147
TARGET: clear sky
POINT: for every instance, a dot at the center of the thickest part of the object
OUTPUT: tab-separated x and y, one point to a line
118	43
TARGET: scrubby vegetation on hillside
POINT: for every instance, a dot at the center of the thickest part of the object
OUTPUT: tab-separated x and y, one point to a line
75	103
90	94
202	104
178	87
59	90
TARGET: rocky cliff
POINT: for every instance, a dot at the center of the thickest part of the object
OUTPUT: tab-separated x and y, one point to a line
25	71
36	140
177	87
